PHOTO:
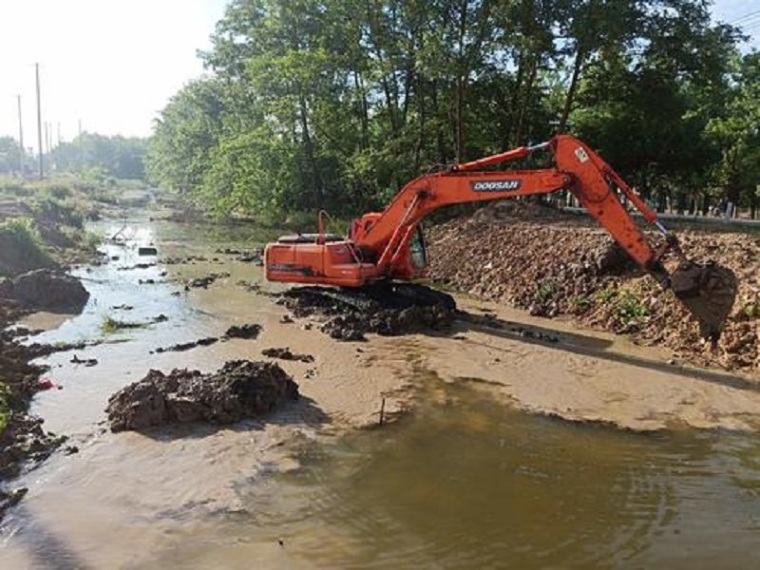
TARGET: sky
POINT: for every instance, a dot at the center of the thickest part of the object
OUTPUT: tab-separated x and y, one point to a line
113	64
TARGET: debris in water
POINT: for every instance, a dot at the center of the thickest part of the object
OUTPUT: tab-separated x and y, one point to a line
286	354
86	361
204	282
240	389
147	250
248	331
182	346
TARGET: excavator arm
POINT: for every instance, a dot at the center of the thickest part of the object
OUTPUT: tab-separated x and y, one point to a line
378	245
579	170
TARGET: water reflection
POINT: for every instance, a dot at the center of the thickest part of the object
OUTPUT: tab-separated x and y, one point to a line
475	485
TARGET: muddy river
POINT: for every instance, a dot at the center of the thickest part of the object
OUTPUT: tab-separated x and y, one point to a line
464	474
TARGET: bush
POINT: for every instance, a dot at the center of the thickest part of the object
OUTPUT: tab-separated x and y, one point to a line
630	310
21	247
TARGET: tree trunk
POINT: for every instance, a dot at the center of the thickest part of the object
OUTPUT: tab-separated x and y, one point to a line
310	155
580	56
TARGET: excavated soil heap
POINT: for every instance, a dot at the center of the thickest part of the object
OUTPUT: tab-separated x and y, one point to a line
385	309
553	263
45	289
240	389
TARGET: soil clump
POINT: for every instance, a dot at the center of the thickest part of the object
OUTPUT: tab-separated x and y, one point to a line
248	331
385	309
240	389
552	263
286	354
45	289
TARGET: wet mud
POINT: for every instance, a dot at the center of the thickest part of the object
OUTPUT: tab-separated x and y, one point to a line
239	390
286	354
249	331
385	309
24	443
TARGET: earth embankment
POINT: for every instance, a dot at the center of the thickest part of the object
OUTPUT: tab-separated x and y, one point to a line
552	263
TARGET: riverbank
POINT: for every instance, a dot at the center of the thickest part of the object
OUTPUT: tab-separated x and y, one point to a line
41	232
552	264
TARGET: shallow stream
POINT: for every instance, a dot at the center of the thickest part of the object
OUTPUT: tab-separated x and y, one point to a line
462	482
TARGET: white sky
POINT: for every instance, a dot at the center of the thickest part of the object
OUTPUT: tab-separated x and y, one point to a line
115	63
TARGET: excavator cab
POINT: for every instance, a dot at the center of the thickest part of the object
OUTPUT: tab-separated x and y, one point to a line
418	250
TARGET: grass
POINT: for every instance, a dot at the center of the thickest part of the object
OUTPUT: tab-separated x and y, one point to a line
21	247
751	310
579	303
546	290
111	325
630	310
4	408
606	295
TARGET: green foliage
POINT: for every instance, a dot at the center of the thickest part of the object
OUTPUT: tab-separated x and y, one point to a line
751	310
607	294
100	157
579	303
111	325
629	310
5	411
21	247
546	290
311	104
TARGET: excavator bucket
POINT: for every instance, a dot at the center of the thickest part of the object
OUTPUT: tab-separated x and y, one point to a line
708	291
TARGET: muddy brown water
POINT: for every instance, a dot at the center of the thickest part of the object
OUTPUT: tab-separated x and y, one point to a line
462	482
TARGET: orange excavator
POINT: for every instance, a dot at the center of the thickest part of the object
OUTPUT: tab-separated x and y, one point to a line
389	245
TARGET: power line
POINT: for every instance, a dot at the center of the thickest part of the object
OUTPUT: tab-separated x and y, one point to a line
745	16
749	22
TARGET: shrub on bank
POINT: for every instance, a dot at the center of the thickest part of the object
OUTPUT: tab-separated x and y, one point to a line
21	247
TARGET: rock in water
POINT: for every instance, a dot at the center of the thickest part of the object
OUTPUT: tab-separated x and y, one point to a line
48	289
240	389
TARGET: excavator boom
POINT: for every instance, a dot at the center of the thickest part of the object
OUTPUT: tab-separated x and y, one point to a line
388	244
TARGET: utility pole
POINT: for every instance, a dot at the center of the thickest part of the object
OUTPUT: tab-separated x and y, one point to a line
81	145
39	120
22	153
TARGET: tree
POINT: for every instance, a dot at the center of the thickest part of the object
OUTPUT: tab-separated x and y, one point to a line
117	156
10	155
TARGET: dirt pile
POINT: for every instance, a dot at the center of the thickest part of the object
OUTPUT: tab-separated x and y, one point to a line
240	389
45	289
287	354
389	310
550	263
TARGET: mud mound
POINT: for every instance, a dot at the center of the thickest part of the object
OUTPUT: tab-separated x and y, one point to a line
386	309
553	269
47	289
246	331
240	389
286	354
